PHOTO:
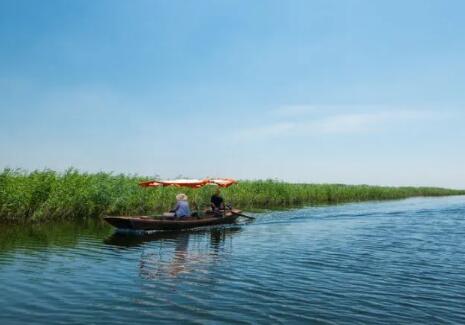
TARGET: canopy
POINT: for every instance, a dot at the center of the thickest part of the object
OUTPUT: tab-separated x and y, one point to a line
192	183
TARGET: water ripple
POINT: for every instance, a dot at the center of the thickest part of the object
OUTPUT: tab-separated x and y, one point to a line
383	262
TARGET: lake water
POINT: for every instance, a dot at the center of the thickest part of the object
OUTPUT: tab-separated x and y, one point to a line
384	262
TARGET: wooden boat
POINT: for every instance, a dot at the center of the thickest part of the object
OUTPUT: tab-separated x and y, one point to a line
168	223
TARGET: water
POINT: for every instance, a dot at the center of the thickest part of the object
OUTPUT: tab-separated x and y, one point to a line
391	262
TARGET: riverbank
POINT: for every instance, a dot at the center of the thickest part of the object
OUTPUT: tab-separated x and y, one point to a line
48	195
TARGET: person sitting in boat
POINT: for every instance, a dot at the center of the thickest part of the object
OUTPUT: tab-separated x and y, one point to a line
182	209
216	201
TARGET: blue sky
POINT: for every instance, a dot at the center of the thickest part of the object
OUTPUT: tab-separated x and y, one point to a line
303	91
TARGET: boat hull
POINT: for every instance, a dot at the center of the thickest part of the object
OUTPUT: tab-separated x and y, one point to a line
152	223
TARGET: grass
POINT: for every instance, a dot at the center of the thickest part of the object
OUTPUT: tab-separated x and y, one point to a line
48	195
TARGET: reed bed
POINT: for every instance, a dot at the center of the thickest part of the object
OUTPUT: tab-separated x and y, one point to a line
48	195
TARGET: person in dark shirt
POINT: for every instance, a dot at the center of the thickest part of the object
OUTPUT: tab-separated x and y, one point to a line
217	202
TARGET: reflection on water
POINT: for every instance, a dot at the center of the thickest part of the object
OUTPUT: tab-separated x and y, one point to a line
129	239
177	252
45	235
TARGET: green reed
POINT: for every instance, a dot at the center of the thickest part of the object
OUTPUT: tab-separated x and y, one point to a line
48	195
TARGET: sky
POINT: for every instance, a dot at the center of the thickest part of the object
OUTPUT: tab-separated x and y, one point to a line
346	91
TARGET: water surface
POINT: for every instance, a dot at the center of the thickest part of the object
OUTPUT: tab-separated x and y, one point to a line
382	262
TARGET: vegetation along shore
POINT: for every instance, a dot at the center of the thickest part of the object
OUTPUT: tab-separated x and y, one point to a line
48	195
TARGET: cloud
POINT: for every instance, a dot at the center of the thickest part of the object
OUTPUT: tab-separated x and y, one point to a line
295	110
307	121
364	122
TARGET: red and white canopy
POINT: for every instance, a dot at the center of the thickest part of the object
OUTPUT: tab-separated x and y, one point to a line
192	183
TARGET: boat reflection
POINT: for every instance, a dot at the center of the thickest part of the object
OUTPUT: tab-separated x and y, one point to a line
174	253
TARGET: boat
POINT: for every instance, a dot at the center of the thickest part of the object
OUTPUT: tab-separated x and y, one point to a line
167	221
148	223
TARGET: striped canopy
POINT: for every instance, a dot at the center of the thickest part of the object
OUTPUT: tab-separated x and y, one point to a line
192	183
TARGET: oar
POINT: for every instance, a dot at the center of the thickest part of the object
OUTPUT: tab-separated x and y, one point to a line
242	215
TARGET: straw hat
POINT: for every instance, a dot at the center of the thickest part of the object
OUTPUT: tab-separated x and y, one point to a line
181	197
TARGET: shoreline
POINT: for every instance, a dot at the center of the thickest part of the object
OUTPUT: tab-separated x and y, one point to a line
41	196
